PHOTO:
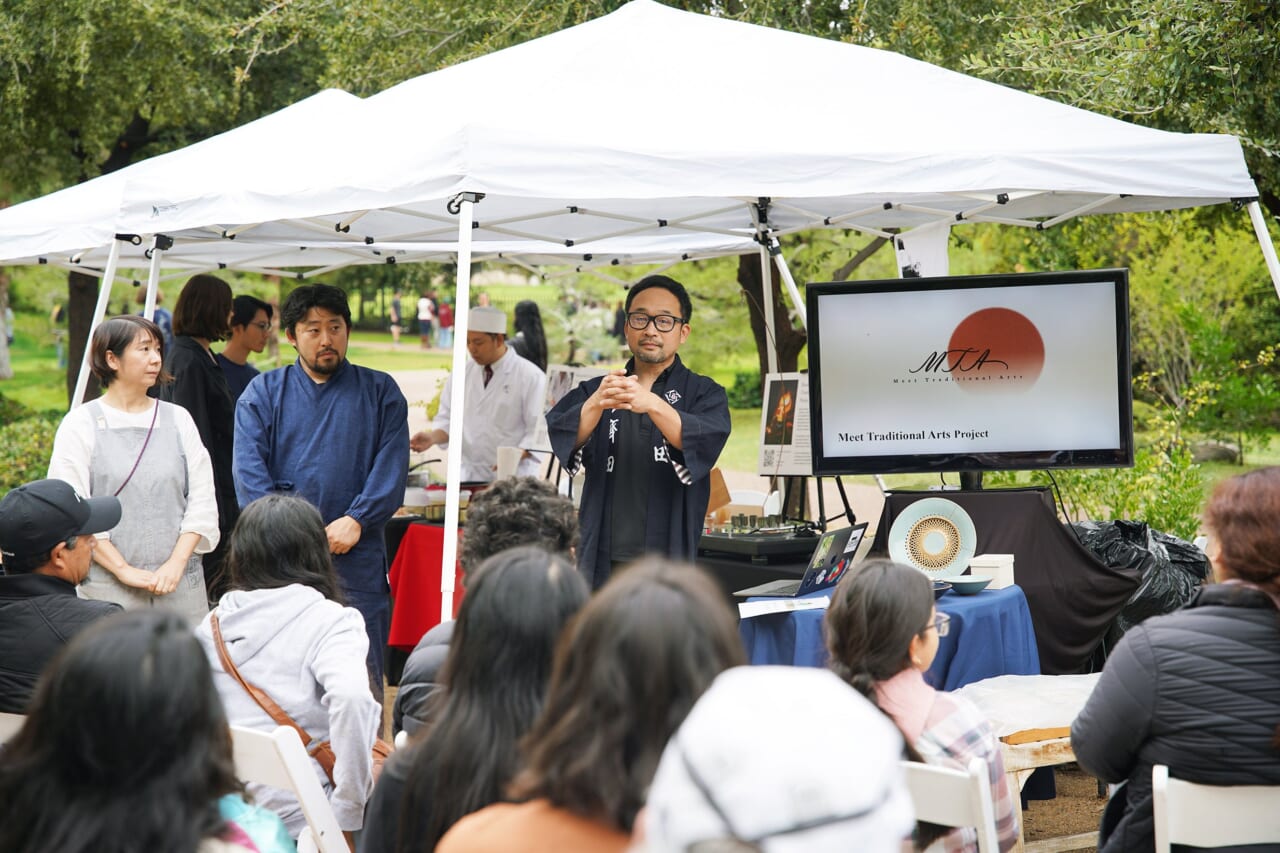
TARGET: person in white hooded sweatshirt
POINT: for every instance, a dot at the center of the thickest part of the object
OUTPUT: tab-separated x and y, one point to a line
287	631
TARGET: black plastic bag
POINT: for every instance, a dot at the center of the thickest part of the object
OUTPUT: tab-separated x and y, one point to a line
1172	568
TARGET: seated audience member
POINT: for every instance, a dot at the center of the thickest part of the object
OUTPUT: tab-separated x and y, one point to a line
1199	689
126	749
250	331
627	670
286	630
499	662
730	773
882	633
511	512
46	538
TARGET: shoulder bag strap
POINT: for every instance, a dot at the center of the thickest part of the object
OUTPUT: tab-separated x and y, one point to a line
154	413
264	701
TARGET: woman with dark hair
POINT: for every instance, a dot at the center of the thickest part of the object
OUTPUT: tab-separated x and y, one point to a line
286	630
125	749
627	670
495	677
882	633
1197	690
530	341
202	316
147	453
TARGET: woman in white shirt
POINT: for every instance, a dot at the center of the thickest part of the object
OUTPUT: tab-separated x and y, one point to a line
149	455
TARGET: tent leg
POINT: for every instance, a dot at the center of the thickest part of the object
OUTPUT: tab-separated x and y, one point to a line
153	277
792	290
453	475
104	296
766	291
1264	240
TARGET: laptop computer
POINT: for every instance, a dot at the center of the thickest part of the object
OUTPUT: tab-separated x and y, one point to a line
836	551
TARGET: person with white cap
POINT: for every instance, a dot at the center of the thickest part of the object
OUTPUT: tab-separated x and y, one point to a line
504	398
730	774
46	539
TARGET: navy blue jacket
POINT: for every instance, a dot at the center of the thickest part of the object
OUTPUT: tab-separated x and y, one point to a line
679	480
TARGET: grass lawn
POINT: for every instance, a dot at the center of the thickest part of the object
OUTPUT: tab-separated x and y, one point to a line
38	383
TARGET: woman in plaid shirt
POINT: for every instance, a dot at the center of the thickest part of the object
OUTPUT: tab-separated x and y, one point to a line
882	632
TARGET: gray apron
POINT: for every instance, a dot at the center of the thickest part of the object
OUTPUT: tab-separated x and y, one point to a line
152	503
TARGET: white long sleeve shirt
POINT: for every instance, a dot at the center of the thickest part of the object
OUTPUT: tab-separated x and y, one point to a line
73	451
506	413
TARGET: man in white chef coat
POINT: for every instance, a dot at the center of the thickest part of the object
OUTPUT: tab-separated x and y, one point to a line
504	397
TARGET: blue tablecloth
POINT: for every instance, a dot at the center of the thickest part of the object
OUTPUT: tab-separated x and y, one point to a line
990	635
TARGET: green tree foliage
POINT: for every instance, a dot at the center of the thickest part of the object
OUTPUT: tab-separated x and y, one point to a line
1208	66
91	86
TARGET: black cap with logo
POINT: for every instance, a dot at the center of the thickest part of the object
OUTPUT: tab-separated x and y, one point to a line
36	516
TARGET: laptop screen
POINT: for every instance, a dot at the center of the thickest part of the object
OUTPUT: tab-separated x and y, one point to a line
835	552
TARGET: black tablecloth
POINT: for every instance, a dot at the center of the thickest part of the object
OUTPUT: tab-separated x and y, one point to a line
734	572
1073	598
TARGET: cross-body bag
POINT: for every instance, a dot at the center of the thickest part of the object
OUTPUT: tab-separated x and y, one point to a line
321	751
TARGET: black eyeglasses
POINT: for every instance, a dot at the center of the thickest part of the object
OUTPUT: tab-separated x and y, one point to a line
942	622
266	327
640	321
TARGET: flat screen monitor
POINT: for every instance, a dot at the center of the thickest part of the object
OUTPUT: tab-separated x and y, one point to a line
971	373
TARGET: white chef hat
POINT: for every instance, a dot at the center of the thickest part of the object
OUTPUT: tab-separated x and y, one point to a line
787	758
491	320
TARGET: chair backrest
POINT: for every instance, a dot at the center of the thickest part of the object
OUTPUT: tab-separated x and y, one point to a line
951	797
9	725
278	759
1212	815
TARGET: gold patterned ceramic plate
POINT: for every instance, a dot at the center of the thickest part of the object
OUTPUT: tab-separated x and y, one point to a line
935	535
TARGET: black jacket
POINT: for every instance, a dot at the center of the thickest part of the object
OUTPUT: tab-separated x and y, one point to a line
200	387
1197	690
38	615
420	677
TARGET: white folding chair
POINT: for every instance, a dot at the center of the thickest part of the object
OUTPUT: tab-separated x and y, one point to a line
278	759
9	725
1212	815
950	797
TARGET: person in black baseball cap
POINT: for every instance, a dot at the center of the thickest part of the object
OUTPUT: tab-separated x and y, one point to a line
46	541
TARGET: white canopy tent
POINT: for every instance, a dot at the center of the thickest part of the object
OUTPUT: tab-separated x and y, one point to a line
663	133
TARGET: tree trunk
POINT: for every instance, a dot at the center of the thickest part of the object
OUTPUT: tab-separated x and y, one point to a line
790	340
80	306
6	369
82	290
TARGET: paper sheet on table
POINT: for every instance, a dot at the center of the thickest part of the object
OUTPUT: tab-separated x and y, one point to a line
1016	703
747	609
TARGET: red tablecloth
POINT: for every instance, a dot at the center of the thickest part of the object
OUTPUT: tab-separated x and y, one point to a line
415	585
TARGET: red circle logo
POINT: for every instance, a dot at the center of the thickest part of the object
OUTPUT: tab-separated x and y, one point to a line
999	350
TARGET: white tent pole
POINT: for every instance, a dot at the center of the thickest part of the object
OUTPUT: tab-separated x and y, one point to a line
1264	240
153	275
776	251
453	475
766	291
104	296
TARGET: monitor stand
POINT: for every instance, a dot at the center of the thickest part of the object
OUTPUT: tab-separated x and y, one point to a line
970	481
